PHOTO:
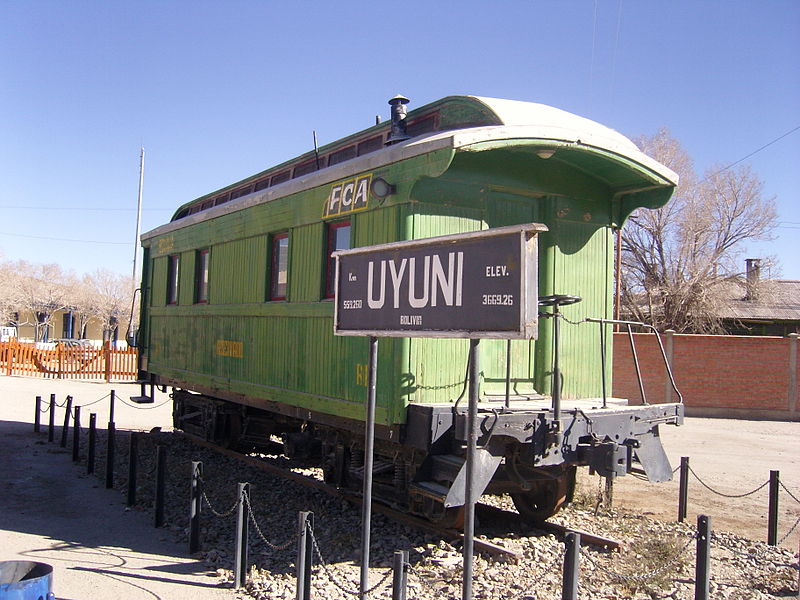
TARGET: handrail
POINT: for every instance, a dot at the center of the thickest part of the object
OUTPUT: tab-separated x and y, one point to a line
628	325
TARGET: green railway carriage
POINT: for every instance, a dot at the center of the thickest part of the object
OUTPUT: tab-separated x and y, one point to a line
237	310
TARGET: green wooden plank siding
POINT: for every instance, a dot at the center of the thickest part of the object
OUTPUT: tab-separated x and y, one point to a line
306	260
238	271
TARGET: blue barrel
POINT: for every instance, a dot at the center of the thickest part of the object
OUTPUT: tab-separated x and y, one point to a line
26	580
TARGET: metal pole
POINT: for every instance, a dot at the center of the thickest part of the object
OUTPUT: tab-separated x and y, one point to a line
469	495
369	443
571	575
110	451
161	473
92	442
138	217
556	388
508	373
51	431
111	406
76	435
683	491
133	455
772	524
65	429
305	553
240	558
399	579
701	583
37	419
603	362
194	507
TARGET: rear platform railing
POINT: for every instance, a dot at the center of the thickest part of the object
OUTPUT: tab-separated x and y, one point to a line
629	325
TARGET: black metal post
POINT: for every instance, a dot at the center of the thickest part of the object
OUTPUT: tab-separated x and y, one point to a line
194	507
111	406
469	492
702	572
683	490
133	459
92	442
37	418
508	373
161	474
772	524
305	555
110	452
76	435
556	387
51	431
369	444
240	559
65	429
572	556
400	576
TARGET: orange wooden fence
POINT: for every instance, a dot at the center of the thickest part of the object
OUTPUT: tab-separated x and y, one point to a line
68	362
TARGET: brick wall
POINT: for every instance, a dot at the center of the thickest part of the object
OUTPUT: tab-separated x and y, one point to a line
718	375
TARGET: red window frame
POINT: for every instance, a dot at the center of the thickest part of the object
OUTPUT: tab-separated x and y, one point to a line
201	277
173	273
330	265
275	270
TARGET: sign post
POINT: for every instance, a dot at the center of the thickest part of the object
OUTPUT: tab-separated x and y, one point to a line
475	285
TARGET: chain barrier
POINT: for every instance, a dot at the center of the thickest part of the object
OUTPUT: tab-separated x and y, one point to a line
785	489
276	547
445	386
63	404
96	401
46	410
718	493
221	515
645	576
137	407
788	533
336	582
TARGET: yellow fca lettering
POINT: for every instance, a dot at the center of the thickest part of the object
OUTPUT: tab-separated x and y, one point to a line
362	375
348	196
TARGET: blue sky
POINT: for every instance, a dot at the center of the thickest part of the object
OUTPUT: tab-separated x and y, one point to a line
217	91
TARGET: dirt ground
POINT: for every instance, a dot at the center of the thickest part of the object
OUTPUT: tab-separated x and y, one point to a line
732	457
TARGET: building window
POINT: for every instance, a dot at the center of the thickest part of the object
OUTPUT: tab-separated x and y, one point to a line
201	277
68	325
338	239
279	273
172	279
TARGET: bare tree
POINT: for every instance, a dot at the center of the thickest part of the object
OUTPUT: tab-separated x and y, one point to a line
43	290
675	260
109	300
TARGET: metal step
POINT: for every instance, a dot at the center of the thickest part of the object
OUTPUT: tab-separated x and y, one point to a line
431	489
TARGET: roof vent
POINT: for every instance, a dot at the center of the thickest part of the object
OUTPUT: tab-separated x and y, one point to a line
398	133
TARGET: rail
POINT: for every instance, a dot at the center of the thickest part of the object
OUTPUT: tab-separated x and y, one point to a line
628	325
66	362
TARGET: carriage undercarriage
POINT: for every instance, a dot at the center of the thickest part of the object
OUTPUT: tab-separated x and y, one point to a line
420	467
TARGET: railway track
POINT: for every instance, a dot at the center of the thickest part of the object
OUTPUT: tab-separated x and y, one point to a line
495	517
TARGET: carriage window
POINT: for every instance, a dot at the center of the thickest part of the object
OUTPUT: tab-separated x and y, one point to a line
280	178
370	145
338	239
172	279
279	274
201	277
341	155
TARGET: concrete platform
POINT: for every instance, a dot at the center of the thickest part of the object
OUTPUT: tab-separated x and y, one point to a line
52	512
